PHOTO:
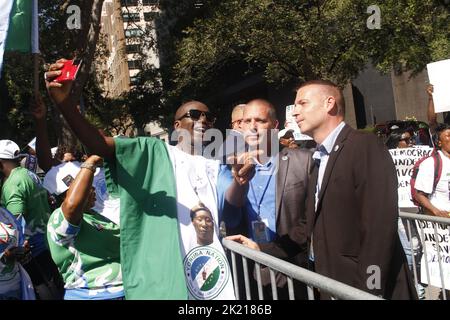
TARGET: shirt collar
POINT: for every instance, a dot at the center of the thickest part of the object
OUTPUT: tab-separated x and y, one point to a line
264	167
327	144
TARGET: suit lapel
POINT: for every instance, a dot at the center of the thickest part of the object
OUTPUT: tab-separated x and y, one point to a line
283	164
338	146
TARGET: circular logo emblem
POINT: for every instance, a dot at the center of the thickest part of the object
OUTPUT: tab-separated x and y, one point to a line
207	272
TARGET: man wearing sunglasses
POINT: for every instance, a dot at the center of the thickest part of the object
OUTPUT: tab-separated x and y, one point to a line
157	185
192	120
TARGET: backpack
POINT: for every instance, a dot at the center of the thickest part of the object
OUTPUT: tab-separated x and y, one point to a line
437	174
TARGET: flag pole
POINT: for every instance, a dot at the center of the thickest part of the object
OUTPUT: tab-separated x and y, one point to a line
35	44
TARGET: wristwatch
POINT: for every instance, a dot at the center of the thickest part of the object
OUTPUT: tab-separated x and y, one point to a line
89	166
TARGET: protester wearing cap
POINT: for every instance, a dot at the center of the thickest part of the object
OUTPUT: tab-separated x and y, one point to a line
84	244
23	195
286	138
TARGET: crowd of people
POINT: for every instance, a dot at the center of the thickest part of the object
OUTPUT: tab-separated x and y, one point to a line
137	218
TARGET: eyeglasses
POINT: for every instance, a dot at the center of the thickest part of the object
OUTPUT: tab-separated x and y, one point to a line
196	114
236	121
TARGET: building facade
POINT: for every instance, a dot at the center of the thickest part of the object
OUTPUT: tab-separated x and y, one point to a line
127	29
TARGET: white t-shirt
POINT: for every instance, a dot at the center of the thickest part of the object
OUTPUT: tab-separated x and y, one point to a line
440	198
208	275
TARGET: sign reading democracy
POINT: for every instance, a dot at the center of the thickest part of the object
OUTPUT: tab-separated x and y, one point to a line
404	160
437	248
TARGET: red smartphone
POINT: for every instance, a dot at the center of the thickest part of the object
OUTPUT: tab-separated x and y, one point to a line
69	70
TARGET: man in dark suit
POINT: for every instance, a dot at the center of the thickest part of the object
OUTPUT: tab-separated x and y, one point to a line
352	199
275	204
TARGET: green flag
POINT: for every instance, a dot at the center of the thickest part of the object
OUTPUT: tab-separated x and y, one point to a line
150	254
22	31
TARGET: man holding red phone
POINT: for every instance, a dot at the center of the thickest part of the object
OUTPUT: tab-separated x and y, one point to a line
161	192
69	71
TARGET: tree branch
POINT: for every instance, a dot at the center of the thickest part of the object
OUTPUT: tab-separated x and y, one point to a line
88	56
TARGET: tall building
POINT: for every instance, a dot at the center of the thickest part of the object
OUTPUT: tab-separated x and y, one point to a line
115	73
127	29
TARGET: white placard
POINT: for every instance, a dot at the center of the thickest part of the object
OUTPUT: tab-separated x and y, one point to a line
439	76
433	243
404	160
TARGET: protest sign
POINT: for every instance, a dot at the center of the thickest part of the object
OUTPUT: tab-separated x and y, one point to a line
439	76
404	160
434	242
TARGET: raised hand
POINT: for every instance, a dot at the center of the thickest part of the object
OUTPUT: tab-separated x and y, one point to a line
243	166
430	91
59	92
37	107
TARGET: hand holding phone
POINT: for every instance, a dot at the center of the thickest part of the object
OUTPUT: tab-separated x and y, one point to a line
69	71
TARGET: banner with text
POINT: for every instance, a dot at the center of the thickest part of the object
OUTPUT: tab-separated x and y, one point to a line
404	160
434	242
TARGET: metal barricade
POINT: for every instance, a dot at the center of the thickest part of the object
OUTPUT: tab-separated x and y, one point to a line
336	289
441	247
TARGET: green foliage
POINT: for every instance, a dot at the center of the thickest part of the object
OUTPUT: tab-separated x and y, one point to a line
413	33
303	40
16	88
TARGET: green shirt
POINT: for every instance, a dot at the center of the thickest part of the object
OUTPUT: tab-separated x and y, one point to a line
22	193
87	256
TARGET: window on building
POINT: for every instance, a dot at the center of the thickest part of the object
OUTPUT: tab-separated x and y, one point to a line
150	2
134	64
132	48
129	3
150	16
131	17
135	32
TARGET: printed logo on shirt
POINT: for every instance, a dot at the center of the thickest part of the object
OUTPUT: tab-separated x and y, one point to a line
206	272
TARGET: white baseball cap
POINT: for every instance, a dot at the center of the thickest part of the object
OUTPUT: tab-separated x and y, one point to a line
9	149
58	178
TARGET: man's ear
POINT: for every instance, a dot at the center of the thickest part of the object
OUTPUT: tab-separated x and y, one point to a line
276	124
176	124
330	103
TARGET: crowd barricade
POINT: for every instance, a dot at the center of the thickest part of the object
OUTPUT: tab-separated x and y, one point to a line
335	289
431	265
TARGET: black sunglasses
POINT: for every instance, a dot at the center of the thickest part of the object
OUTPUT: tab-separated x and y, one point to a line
196	114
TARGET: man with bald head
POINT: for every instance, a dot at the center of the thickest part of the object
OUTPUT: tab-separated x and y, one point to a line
236	117
275	200
192	119
352	199
158	184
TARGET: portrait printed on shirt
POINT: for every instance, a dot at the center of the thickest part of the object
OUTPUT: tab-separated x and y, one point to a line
205	266
203	224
